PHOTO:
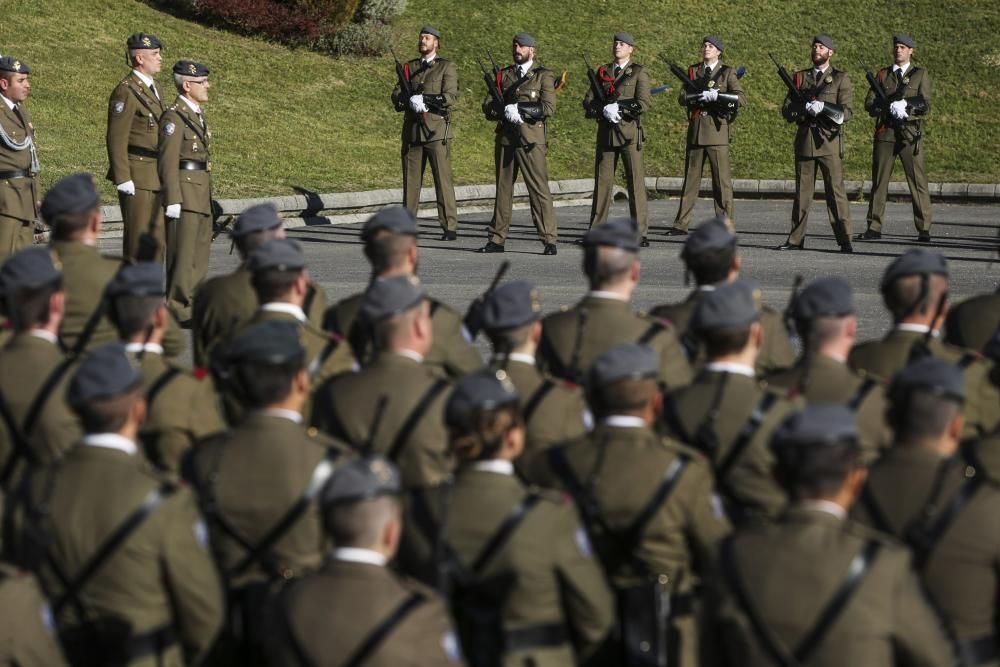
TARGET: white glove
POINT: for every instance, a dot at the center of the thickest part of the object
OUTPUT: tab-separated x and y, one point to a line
815	107
126	188
898	109
173	211
417	104
512	114
709	95
612	112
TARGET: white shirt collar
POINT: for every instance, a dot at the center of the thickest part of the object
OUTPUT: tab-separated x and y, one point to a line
525	67
730	367
194	105
706	288
148	80
152	348
111	441
518	356
824	506
499	466
356	555
44	335
914	328
821	70
410	354
623	65
10	104
287	308
601	294
901	68
427	61
282	413
713	65
836	357
624	421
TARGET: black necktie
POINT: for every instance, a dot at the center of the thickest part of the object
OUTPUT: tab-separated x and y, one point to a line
17	112
899	77
152	87
618	71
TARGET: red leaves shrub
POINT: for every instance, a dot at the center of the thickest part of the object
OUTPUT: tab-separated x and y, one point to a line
289	21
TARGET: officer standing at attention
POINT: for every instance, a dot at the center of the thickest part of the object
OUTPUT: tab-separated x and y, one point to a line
709	116
619	132
185	170
355	610
134	112
522	137
923	493
18	159
864	604
898	131
819	143
433	83
120	548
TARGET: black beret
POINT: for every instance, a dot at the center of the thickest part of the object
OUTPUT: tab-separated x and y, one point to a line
277	254
712	234
139	279
30	268
524	39
105	373
617	233
931	374
714	41
393	218
625	361
190	68
914	262
387	297
361	479
257	218
274	342
728	306
430	30
486	390
905	40
143	40
825	40
824	297
74	194
511	305
624	37
12	64
817	424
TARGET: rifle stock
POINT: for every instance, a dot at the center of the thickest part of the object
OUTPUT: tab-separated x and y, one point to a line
406	90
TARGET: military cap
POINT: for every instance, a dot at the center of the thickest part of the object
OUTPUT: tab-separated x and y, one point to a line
914	262
816	424
361	479
74	194
274	342
511	305
257	218
396	219
143	40
430	30
105	373
524	39
712	234
139	279
728	306
625	361
30	268
905	40
486	390
12	64
387	297
277	254
930	374
624	37
825	40
617	233
190	68
714	41
824	297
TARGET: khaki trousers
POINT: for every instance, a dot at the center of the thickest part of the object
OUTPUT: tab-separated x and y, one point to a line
530	162
139	212
189	243
884	155
837	207
415	160
605	165
722	182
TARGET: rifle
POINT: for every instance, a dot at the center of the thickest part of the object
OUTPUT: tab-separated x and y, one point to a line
406	91
473	320
493	88
575	373
656	90
599	96
727	103
789	315
796	111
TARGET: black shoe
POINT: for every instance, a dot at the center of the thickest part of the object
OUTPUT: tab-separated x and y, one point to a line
578	241
924	237
868	235
491	247
644	242
674	231
791	246
847	248
550	249
449	236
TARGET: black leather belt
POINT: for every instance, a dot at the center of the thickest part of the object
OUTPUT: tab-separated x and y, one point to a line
978	651
538	636
155	642
20	173
193	165
144	152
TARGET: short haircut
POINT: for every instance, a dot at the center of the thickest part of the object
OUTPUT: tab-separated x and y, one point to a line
28	308
722	342
816	471
261	385
69	226
179	80
902	297
132	315
821	330
712	266
606	265
919	414
480	437
623	396
387	330
247	244
388	250
108	415
360	523
273	284
505	340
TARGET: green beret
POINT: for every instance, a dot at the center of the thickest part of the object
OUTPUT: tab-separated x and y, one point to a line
105	373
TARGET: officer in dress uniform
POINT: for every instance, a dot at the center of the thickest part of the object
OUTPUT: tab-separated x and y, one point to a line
134	111
18	159
619	132
433	83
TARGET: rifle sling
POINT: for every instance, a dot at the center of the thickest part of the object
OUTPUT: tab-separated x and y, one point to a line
418	412
861	394
536	399
384	629
19	444
161	382
504	532
142	101
939	526
746	434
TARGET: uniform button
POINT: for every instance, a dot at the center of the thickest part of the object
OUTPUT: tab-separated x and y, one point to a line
312	431
286	573
970	471
644	647
663	579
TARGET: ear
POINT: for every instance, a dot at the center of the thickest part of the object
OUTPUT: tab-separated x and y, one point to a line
956	426
57	304
735	266
856	481
757	334
655	405
636	270
390	536
411	254
536	332
852	327
94	225
300	383
137	413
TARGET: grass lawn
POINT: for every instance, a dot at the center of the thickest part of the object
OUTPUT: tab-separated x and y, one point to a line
283	119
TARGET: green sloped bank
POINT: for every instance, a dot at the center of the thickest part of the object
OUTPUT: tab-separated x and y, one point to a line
283	119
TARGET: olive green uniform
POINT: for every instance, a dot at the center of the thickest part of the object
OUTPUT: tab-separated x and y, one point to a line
973	322
900	139
521	149
708	138
885	622
185	170
426	137
608	322
26	633
819	144
19	188
620	141
133	122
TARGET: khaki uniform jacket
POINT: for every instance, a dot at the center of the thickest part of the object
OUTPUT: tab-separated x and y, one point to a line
331	613
27	638
706	127
814	137
161	576
791	569
632	85
345	408
973	322
748	485
182	137
537	86
609	322
916	82
440	78
17	195
910	486
315	341
777	351
133	120
884	358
